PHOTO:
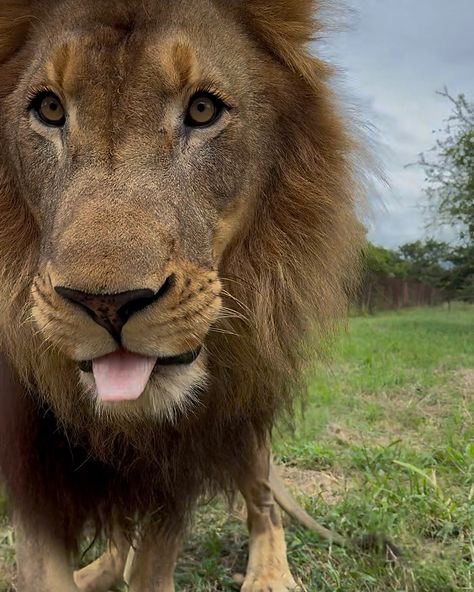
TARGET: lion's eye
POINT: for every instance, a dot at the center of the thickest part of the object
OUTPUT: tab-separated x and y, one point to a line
49	109
204	109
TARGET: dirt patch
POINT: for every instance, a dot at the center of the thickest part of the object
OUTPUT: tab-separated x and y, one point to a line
465	377
341	434
326	485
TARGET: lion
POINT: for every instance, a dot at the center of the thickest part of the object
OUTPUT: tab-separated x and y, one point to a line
179	194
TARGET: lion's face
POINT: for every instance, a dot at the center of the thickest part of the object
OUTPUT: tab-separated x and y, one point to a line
136	136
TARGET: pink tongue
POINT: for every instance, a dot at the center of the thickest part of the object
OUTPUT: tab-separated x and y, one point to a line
122	376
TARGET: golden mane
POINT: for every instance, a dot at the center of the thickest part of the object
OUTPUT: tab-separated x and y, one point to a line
294	270
290	272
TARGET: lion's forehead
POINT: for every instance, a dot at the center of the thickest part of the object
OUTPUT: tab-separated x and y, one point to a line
162	61
157	47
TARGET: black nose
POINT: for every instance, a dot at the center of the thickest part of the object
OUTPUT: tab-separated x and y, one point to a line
112	311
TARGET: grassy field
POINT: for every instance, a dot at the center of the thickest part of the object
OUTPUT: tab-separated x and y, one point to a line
385	445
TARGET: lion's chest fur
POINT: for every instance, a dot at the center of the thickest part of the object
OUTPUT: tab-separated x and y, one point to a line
98	476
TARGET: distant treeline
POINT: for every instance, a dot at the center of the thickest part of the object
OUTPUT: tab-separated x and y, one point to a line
416	274
429	272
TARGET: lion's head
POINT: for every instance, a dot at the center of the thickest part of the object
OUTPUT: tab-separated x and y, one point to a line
176	196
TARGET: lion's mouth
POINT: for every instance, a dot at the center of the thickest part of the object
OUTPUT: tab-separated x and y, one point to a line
181	360
123	375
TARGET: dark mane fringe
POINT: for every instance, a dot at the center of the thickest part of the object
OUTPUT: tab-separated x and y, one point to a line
289	277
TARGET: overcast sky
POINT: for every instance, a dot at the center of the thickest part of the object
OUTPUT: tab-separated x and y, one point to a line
395	55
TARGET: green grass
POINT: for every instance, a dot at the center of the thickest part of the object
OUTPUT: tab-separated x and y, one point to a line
385	445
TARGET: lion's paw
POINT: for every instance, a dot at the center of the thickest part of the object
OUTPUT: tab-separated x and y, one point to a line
96	578
269	582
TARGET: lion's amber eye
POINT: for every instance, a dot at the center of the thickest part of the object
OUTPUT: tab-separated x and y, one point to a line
204	109
49	109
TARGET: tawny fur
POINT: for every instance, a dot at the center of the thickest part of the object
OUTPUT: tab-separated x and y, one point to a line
288	268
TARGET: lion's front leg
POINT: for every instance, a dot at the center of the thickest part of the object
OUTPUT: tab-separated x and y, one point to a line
42	560
154	561
106	571
267	568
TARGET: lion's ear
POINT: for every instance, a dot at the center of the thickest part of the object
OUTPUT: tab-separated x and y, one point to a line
286	27
15	20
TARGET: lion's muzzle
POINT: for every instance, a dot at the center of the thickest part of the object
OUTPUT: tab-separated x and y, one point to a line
122	375
135	337
112	311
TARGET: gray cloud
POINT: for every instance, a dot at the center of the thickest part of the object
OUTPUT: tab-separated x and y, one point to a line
395	55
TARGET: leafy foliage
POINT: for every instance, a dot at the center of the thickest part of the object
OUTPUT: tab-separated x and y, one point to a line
381	262
450	176
425	261
447	268
459	279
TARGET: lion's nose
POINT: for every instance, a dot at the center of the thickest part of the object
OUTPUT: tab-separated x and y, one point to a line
112	311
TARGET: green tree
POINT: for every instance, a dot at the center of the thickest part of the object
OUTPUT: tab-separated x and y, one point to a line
450	191
379	263
426	262
450	174
458	282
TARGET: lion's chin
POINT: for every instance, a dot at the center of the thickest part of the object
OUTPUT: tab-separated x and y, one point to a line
171	392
